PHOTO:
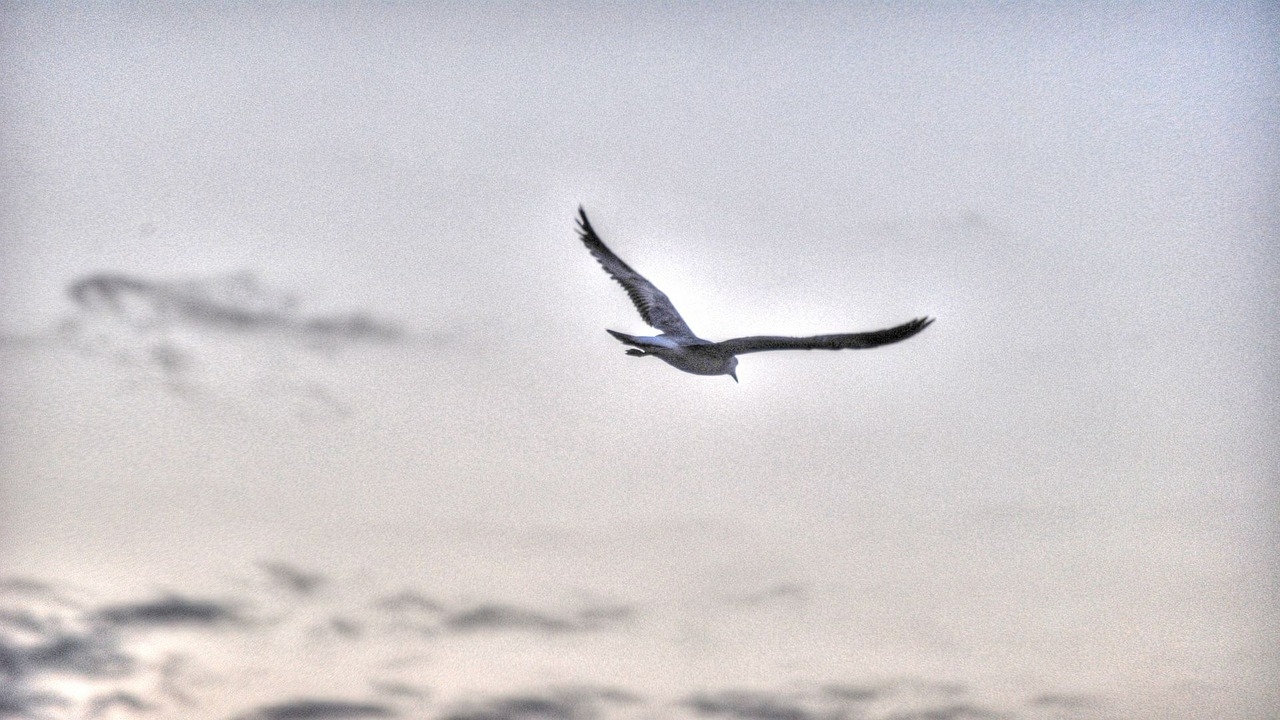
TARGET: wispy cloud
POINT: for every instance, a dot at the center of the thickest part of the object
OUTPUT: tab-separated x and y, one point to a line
317	709
906	699
1062	700
171	679
775	593
126	659
958	711
102	651
745	705
499	616
169	611
399	690
97	653
239	303
488	617
124	701
17	701
853	693
345	627
24	586
409	601
25	621
216	334
555	704
136	656
21	587
26	667
291	578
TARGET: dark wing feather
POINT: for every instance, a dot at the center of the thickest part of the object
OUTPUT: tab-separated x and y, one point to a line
654	306
848	341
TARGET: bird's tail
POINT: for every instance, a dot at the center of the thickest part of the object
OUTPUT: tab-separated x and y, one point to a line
631	340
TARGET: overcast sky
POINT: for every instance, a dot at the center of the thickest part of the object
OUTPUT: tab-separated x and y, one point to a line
296	324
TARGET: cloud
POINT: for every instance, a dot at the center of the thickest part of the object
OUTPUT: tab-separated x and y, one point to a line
582	703
958	711
357	326
907	699
24	586
1061	700
600	617
779	592
103	704
172	673
25	620
94	654
291	578
11	661
313	709
30	589
46	642
409	601
122	659
399	690
169	611
237	303
220	336
349	629
47	647
853	693
495	616
17	702
498	616
1066	705
747	706
133	657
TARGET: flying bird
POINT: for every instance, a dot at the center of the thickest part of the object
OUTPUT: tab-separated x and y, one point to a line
680	348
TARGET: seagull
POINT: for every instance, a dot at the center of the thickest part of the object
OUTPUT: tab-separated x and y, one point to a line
679	347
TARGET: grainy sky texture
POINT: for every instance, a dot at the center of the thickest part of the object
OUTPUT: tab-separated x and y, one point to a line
308	410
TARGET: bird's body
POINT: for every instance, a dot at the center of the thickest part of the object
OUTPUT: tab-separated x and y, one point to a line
692	355
680	348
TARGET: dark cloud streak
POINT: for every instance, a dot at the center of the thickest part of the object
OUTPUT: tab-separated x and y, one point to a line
853	693
498	616
399	690
236	303
409	601
293	579
169	611
316	709
958	711
747	706
555	704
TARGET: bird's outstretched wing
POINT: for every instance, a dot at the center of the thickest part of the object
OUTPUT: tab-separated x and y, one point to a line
654	306
848	341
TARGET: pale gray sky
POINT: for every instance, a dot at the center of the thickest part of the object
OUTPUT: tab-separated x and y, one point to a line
1059	501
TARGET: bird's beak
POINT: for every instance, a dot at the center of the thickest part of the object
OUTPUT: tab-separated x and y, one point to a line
734	374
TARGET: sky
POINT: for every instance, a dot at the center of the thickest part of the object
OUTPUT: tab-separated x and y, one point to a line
307	409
